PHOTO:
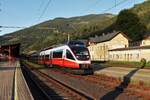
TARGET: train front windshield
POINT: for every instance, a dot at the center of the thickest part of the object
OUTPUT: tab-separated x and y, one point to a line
81	53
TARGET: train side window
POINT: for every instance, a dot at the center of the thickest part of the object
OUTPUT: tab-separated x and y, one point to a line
50	55
42	56
69	55
57	54
46	56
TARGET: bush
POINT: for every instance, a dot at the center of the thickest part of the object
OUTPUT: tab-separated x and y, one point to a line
148	64
143	62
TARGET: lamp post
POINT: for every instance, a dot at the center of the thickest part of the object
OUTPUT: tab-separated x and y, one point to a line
68	38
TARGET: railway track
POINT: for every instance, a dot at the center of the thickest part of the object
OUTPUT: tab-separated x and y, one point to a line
102	80
62	90
37	92
96	86
109	83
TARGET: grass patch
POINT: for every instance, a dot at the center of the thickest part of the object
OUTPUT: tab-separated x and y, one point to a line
126	64
33	64
148	64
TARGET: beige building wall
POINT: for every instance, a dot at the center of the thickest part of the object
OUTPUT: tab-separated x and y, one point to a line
145	42
145	53
125	55
99	51
120	41
129	55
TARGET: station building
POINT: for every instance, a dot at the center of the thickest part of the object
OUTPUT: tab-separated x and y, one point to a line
130	54
116	46
9	51
99	46
135	52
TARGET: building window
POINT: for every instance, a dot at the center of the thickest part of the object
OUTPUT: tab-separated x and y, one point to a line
100	56
117	56
106	47
137	56
120	56
113	56
130	56
110	56
125	56
103	47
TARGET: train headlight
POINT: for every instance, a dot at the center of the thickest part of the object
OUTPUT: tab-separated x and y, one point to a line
77	56
88	56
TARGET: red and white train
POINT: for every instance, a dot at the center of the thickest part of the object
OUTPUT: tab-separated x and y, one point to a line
68	56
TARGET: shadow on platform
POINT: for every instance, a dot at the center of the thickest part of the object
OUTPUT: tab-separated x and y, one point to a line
112	95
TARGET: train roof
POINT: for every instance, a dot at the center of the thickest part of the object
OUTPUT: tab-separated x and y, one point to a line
59	47
70	44
76	43
51	47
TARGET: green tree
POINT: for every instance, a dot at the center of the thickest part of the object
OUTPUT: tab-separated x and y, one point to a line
129	23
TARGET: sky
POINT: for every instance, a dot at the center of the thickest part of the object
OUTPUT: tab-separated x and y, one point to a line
25	13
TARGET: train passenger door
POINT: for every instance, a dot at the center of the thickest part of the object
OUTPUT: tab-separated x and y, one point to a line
50	58
57	57
69	60
63	56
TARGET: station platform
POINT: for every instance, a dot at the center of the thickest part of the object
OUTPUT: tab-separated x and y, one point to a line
12	83
133	75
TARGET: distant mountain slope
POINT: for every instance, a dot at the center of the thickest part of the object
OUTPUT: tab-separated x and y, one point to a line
56	31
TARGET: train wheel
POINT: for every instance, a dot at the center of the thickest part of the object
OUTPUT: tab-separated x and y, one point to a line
51	65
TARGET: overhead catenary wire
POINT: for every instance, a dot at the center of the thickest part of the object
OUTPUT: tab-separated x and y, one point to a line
108	9
0	6
41	5
91	5
11	27
114	6
49	1
44	10
115	2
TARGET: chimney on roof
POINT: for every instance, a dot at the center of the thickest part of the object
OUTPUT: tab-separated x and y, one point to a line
103	34
96	36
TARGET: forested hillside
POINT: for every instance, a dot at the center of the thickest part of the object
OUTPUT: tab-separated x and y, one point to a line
56	31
